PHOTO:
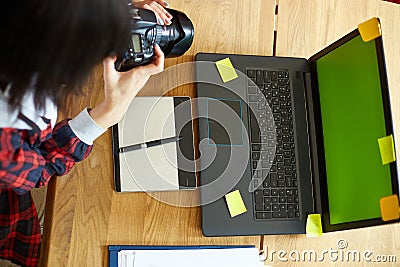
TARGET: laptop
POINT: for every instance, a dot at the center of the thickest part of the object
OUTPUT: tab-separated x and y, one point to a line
295	137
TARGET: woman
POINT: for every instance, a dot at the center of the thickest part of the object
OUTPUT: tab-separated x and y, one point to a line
47	49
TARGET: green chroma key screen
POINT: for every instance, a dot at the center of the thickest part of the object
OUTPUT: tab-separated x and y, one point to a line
352	121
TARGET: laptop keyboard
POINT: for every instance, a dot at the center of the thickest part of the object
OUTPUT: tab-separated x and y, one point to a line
278	195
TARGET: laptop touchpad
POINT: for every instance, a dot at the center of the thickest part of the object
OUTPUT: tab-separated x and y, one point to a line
224	122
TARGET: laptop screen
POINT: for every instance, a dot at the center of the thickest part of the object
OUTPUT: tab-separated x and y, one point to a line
352	121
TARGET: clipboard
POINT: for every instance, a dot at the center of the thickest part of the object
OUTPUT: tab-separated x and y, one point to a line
153	147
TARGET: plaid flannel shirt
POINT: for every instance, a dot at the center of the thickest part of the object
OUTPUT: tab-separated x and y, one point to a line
28	159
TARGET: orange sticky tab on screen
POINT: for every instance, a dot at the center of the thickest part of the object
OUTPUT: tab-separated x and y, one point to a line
390	209
386	147
226	70
370	29
235	203
313	225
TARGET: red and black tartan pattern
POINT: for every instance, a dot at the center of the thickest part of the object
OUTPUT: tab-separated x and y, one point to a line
29	159
20	236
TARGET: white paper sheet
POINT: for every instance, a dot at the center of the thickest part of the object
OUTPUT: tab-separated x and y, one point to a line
232	257
150	169
147	119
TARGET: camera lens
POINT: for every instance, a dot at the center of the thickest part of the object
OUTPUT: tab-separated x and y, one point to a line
164	35
175	39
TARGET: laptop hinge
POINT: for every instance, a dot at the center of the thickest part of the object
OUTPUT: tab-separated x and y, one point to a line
312	144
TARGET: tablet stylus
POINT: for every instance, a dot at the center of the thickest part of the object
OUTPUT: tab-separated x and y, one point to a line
150	144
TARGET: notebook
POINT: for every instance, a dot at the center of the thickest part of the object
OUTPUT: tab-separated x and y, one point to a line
151	143
296	137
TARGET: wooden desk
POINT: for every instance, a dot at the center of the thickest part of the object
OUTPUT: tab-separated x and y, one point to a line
84	214
304	28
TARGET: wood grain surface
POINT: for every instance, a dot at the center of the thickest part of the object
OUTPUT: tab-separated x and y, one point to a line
84	214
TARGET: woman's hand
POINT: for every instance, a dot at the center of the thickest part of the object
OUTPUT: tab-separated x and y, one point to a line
121	87
158	7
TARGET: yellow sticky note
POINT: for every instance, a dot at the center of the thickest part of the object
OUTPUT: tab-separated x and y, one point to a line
370	29
390	208
226	70
386	146
235	203
313	225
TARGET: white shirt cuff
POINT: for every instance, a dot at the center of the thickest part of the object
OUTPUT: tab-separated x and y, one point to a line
85	128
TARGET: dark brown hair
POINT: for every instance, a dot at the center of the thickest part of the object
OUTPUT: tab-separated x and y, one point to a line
58	42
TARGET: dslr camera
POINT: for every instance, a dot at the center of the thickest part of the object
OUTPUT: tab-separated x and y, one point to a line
174	39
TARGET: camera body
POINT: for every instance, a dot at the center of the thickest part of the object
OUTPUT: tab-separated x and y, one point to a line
174	39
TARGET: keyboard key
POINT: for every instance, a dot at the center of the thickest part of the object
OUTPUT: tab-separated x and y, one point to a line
266	192
254	162
267	200
255	155
289	183
251	73
267	76
260	106
251	81
286	75
256	183
279	214
282	82
253	98
275	207
258	196
259	207
252	90
274	75
273	168
286	146
259	77
263	215
267	183
279	167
